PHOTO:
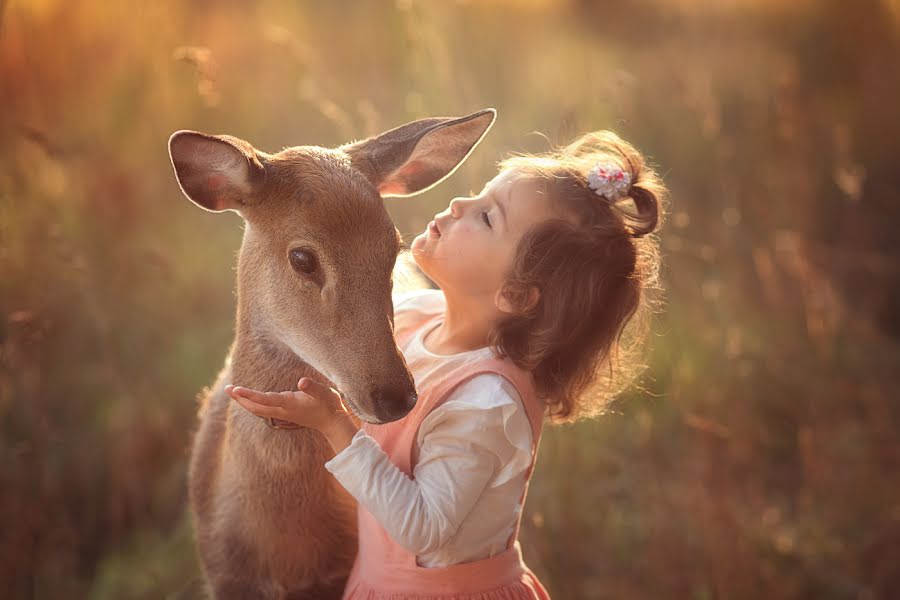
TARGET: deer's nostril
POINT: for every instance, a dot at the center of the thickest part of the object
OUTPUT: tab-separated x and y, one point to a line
393	403
411	399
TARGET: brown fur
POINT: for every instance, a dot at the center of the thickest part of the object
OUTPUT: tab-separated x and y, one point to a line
270	521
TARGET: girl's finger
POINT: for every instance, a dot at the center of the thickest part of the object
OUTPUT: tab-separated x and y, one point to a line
261	410
316	389
267	398
236	391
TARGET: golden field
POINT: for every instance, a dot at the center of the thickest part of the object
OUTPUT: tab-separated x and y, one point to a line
757	457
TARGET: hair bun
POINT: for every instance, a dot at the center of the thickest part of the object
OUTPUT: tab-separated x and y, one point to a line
612	183
647	217
601	164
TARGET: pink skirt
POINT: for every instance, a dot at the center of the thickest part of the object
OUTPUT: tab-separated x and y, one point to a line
503	576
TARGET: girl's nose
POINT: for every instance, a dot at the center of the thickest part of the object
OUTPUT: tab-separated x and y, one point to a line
456	208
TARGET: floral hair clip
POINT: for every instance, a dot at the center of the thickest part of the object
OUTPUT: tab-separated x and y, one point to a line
609	181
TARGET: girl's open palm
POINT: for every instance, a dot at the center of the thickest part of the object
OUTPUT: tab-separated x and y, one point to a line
313	405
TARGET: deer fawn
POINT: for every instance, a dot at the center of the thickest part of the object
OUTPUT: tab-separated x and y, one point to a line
314	283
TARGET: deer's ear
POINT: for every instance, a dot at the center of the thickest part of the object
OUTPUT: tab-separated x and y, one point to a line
216	172
417	156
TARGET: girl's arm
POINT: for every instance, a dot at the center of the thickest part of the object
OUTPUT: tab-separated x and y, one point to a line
464	444
480	433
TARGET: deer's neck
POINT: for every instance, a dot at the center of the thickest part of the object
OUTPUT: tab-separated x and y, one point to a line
259	360
262	362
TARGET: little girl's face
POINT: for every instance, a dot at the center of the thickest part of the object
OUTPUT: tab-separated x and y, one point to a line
468	249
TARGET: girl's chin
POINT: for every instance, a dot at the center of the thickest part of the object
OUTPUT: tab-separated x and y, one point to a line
421	254
421	240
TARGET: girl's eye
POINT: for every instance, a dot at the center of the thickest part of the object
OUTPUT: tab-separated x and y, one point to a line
484	217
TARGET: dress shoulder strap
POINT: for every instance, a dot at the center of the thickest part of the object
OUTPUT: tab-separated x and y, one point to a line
520	379
523	381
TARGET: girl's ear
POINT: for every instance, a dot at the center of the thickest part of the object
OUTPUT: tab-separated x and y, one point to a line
525	304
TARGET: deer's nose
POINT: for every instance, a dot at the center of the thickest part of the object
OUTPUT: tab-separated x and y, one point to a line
393	402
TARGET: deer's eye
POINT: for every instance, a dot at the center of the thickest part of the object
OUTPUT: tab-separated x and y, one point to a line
304	261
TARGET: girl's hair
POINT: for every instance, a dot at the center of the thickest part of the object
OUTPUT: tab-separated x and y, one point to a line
594	272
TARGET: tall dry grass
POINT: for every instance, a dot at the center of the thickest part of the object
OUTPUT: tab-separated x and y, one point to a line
757	459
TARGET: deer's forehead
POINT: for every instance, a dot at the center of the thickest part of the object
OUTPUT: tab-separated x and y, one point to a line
317	196
320	176
321	179
335	205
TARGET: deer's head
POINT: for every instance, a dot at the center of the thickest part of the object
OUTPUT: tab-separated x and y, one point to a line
315	266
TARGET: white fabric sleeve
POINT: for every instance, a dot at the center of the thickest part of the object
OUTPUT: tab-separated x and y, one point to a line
511	442
463	446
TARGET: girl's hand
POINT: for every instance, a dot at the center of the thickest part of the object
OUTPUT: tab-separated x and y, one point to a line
313	405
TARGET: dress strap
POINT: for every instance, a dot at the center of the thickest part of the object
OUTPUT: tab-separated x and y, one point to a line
519	378
533	405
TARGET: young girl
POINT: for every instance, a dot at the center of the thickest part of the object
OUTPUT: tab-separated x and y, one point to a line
538	275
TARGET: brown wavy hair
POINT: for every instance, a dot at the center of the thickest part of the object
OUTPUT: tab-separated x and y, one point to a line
596	268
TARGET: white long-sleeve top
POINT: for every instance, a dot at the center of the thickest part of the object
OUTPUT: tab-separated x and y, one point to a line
473	451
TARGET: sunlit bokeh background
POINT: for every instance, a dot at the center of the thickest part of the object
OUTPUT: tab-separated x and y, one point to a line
758	458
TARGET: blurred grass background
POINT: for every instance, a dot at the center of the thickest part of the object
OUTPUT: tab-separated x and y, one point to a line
759	460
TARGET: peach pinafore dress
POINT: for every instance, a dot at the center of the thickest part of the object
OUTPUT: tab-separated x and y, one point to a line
383	569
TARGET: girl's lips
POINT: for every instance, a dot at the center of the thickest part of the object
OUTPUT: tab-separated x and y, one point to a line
433	228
